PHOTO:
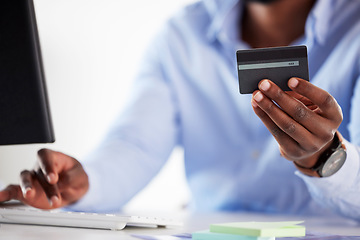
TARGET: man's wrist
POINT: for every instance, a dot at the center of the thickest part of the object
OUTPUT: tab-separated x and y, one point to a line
329	161
307	171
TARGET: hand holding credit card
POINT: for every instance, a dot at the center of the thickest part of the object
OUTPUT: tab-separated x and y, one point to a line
277	64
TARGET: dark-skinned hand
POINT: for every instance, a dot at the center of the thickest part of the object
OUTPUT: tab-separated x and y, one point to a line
302	121
56	181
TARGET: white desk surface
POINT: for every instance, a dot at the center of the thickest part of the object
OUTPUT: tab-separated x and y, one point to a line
192	222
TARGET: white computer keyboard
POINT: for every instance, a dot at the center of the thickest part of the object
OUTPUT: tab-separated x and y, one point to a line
80	219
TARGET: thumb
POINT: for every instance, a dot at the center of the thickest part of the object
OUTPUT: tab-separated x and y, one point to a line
52	163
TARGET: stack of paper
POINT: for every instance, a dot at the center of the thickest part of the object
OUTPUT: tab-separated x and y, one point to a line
251	231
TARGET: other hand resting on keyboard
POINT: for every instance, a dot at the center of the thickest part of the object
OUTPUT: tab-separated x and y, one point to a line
57	180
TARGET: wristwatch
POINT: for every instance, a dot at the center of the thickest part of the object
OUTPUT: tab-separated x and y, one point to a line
332	159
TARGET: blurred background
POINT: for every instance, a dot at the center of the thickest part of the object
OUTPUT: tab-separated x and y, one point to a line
91	50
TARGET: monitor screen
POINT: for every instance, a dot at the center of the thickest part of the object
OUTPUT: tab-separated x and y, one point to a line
24	107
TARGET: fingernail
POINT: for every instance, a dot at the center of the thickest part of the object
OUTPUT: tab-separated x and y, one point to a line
265	85
53	200
51	177
293	82
25	191
28	189
254	104
258	96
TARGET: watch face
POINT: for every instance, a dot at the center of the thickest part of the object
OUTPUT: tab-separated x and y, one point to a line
334	163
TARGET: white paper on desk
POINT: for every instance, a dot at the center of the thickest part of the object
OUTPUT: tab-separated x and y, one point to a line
309	236
321	236
163	237
184	236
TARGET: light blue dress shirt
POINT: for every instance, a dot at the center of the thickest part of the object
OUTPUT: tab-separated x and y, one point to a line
186	94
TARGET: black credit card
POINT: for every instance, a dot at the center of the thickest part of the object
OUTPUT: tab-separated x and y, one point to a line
278	64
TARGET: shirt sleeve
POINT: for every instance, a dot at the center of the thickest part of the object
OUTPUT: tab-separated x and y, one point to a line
139	142
341	191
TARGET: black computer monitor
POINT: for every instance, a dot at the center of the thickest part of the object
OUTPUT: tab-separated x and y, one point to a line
24	108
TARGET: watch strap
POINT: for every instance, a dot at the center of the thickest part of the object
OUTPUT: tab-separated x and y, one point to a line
315	170
336	144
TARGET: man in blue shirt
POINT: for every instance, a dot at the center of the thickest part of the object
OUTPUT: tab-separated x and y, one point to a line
242	152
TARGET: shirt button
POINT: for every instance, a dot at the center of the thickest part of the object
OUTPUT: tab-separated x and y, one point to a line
255	154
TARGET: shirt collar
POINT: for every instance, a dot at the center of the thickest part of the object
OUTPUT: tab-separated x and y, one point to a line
318	22
219	11
317	26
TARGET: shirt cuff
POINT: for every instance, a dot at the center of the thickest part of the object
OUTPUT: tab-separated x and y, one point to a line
342	180
88	202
